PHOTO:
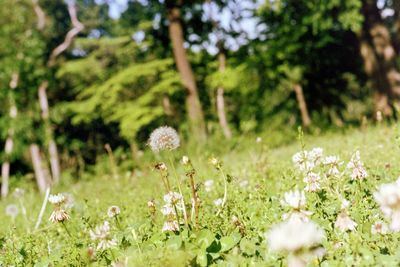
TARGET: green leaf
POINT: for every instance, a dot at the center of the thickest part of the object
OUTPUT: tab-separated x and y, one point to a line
228	242
205	238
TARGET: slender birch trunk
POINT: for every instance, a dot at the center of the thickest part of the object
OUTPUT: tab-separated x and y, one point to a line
40	174
193	105
5	167
305	117
220	96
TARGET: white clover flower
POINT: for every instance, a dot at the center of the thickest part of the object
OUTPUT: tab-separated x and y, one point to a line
18	192
209	185
379	227
172	198
243	183
312	181
164	138
218	202
302	162
168	210
102	234
388	197
316	155
293	236
344	222
57	199
356	167
59	215
113	211
12	210
170	226
294	199
333	162
345	204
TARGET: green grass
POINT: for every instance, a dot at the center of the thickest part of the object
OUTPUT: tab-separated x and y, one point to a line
270	172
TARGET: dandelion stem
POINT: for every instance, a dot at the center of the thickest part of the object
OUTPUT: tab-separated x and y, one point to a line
66	229
44	204
179	188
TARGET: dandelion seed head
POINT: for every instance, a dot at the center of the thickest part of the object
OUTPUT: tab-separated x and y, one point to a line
12	210
164	138
57	199
113	211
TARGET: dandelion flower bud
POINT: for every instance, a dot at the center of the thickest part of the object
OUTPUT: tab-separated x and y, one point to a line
113	211
164	138
185	160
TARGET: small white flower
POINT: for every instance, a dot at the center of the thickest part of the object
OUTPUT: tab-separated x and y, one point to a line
57	199
113	211
59	215
312	181
345	204
294	199
297	216
209	185
379	227
170	226
316	155
356	167
106	244
185	160
258	139
168	210
102	234
302	161
293	236
333	162
12	210
164	138
344	222
218	202
172	198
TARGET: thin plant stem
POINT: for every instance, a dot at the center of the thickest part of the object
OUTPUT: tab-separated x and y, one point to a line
136	240
225	191
179	188
195	207
66	229
44	204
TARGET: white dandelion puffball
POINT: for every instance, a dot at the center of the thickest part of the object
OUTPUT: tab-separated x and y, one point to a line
164	138
294	199
12	210
379	227
344	222
291	236
113	211
56	199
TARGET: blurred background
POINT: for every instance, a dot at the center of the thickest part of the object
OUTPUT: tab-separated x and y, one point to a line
82	78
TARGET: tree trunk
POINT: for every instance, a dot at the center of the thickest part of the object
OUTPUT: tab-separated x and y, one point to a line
193	105
52	147
379	58
40	174
5	167
220	96
305	117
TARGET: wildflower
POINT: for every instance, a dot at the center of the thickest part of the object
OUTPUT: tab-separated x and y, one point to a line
356	167
333	162
218	202
168	210
18	192
345	204
344	222
57	199
294	199
173	198
161	166
379	227
315	155
388	197
102	234
215	162
185	160
59	215
312	182
302	161
291	236
208	185
113	211
258	140
164	138
170	226
12	210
